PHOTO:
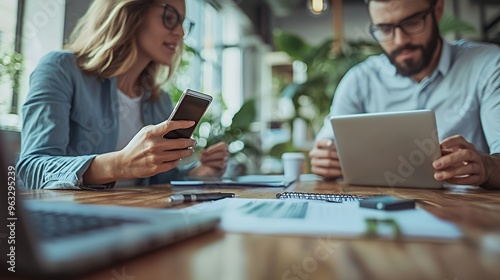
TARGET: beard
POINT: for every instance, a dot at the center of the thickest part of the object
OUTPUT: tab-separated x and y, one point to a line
409	67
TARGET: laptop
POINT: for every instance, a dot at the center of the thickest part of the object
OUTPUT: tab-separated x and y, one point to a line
56	239
388	149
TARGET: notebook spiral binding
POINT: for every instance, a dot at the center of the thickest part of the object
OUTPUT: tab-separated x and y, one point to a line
337	197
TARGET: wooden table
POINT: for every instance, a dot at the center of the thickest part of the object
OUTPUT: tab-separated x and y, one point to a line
220	255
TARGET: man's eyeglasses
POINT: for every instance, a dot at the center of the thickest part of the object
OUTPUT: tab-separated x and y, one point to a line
172	18
411	26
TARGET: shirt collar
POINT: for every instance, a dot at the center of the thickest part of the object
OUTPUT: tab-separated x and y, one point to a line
444	61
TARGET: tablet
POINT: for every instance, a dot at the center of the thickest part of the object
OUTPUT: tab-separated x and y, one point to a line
388	149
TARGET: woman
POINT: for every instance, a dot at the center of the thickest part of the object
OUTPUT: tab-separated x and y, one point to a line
95	114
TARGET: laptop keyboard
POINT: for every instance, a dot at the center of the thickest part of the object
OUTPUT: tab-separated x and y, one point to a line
51	225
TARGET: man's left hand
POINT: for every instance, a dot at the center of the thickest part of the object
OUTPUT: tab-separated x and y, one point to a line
461	163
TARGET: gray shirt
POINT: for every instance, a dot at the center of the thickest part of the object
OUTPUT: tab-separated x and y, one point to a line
464	93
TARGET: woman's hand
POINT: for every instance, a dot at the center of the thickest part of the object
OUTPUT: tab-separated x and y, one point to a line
213	161
147	154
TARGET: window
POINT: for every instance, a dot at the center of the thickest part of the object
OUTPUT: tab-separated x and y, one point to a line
8	22
205	71
216	68
232	67
32	28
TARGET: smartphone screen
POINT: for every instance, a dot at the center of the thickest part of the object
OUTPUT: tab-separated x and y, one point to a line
190	107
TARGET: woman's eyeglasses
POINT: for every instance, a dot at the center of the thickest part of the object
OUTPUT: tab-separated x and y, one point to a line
412	26
172	18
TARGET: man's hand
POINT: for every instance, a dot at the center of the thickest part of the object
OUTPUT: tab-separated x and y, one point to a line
213	161
461	163
324	160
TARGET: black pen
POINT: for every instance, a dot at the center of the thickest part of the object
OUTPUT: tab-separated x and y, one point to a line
183	198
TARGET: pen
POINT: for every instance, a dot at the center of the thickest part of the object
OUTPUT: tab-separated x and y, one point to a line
183	198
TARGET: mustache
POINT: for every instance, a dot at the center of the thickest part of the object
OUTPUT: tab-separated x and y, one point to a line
408	47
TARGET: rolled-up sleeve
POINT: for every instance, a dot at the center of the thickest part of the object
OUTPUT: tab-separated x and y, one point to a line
44	161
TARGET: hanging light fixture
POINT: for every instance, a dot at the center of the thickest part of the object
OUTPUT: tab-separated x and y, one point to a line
317	6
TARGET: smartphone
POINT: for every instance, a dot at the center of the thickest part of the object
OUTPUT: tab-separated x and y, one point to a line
387	203
191	107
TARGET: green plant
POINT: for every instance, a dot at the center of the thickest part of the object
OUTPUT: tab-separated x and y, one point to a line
238	135
11	65
242	141
449	25
324	72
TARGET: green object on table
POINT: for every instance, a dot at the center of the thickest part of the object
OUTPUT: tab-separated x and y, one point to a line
372	227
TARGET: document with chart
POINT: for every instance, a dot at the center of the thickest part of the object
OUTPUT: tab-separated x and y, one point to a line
347	219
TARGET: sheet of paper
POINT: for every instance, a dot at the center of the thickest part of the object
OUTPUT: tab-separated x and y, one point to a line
300	217
241	181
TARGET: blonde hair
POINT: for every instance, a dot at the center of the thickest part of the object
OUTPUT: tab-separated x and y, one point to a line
104	43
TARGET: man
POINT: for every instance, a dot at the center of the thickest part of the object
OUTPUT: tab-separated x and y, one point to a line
460	82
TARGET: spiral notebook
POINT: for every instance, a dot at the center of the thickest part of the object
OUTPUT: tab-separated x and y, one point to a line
329	197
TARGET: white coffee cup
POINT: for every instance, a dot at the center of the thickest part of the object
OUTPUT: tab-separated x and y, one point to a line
292	165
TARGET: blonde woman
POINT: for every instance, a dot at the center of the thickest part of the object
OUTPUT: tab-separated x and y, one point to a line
95	114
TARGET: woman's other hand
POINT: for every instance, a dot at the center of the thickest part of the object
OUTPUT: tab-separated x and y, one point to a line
213	161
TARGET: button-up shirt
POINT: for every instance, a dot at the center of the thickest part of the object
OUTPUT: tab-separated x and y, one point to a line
463	91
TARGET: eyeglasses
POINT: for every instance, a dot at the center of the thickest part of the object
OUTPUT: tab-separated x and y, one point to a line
172	18
411	26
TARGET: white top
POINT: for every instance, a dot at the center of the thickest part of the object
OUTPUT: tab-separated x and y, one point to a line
129	123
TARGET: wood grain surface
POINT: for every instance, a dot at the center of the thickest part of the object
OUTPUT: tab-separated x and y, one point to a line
220	255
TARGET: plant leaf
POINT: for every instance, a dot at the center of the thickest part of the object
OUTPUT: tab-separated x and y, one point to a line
291	44
449	24
245	116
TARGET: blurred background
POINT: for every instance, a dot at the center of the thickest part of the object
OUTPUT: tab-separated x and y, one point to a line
272	66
